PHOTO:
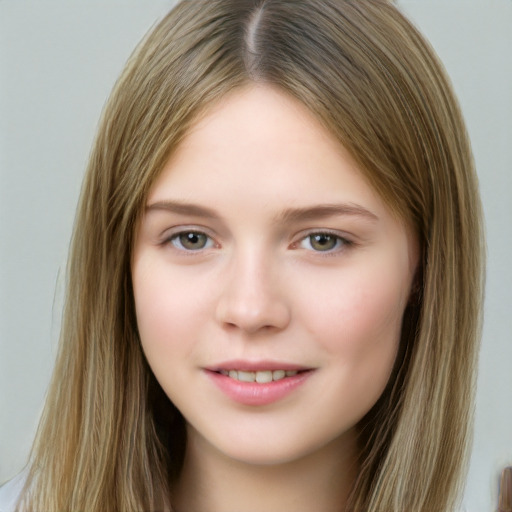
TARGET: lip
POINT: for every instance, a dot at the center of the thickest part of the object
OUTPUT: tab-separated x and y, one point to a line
252	393
254	366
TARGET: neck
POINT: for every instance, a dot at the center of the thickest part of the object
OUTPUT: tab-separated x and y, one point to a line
321	481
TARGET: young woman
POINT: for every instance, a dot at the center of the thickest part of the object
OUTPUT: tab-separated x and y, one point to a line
275	279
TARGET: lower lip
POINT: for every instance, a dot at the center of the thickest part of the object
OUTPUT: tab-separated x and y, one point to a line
252	393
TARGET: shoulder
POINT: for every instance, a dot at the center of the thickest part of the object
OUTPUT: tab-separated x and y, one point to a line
10	492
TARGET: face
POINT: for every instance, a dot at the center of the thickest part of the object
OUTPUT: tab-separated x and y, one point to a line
270	282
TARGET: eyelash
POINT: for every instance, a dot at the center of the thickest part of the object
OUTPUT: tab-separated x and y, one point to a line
341	243
174	239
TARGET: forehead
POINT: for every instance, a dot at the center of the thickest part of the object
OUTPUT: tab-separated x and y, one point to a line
259	159
259	138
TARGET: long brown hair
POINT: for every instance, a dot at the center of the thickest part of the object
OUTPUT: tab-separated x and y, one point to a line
109	439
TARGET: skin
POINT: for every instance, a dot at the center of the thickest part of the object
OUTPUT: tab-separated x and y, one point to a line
252	284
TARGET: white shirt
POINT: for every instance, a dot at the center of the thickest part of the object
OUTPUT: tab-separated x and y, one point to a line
10	492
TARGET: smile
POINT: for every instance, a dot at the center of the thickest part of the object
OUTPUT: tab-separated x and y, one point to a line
261	377
257	387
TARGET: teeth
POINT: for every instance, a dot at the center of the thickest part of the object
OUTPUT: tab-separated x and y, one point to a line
261	377
278	374
246	376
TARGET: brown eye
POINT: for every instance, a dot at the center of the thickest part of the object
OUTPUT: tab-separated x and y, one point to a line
191	241
323	242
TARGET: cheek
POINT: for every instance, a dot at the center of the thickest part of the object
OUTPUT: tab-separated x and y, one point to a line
167	311
154	309
357	321
358	331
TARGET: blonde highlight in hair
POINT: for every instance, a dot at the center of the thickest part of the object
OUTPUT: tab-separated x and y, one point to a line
109	439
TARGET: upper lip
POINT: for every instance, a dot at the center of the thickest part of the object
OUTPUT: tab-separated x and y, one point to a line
255	366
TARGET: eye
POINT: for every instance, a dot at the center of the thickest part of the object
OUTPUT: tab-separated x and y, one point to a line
323	242
191	241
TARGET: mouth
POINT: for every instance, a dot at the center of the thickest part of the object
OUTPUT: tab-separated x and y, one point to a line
258	384
260	376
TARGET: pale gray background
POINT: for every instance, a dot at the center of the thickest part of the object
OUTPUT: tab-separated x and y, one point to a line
58	62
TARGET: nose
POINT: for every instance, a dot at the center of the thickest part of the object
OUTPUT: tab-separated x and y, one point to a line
252	299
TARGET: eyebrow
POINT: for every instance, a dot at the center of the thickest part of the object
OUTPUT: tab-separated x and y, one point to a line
289	215
182	208
324	211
